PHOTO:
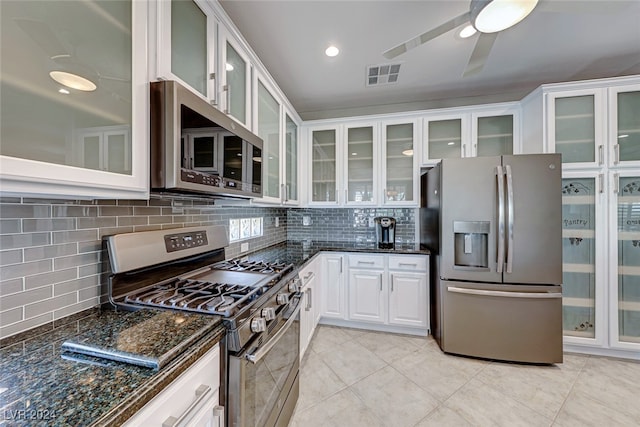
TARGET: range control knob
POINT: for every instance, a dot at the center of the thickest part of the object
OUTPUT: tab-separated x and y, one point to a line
294	285
268	313
258	324
282	299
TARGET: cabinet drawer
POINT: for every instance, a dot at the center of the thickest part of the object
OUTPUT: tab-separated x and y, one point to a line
366	261
177	397
411	263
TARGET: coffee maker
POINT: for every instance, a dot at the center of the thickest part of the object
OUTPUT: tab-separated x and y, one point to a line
385	232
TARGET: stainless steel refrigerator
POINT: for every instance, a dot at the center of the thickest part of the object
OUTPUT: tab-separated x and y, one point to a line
493	225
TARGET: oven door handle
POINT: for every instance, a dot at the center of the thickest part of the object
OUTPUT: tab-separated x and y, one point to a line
262	351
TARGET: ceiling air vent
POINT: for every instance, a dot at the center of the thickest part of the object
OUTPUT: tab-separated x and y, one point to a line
382	74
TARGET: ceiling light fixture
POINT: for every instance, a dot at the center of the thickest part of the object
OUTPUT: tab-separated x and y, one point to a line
73	81
491	16
332	51
467	32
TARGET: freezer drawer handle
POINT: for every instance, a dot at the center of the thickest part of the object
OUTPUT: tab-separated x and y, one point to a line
536	295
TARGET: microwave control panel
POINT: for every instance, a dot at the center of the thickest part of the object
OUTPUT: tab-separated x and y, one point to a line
182	241
200	178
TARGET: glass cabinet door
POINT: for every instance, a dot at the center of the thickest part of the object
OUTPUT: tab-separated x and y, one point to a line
576	128
399	169
628	262
324	166
291	160
189	44
55	88
627	125
269	131
236	83
444	139
360	161
579	256
495	135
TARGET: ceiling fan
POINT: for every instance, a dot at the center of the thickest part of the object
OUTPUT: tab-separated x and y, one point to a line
488	17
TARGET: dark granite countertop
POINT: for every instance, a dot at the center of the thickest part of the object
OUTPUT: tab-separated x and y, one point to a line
298	252
41	386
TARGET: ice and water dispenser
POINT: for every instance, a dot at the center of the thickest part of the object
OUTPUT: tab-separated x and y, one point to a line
471	244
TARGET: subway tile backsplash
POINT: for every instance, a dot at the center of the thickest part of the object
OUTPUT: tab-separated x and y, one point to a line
51	253
51	256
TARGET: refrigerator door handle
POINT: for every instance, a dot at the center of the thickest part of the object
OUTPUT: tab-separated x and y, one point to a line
506	294
510	208
500	256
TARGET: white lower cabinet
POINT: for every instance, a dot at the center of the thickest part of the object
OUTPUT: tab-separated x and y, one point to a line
381	292
310	312
191	400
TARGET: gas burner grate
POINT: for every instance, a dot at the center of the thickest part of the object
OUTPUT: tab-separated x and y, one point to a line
253	266
194	295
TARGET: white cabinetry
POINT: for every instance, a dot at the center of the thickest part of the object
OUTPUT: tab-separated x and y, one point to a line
310	312
400	173
487	130
596	126
333	290
367	288
45	126
235	69
190	400
383	292
186	45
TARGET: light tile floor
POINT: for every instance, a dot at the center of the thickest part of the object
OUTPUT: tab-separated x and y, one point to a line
353	378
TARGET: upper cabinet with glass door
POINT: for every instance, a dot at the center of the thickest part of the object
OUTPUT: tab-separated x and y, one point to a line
290	161
400	162
487	130
74	99
624	135
325	164
236	78
362	156
186	48
268	128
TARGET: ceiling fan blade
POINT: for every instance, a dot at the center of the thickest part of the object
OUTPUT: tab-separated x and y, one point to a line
425	37
44	36
582	6
480	53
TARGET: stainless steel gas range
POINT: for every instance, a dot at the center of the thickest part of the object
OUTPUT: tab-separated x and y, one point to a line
185	269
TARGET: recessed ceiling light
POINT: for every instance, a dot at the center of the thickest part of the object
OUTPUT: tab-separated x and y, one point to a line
467	31
73	81
332	51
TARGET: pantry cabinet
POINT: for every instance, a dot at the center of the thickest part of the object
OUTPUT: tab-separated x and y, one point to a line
82	142
487	130
594	125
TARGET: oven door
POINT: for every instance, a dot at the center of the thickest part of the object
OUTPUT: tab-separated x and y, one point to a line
263	380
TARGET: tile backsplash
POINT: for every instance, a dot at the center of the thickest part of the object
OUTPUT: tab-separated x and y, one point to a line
51	256
51	250
348	224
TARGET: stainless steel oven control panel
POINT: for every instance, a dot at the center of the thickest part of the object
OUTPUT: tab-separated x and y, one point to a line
182	241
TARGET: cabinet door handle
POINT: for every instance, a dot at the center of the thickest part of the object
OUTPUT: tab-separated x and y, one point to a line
464	150
227	89
282	196
346	195
616	151
601	155
310	306
214	100
287	190
340	265
601	182
616	183
392	283
412	264
202	392
218	413
366	262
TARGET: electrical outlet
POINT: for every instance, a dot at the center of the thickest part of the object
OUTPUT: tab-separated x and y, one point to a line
277	222
244	247
306	220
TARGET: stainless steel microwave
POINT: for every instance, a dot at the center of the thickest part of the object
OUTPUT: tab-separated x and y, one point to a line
195	148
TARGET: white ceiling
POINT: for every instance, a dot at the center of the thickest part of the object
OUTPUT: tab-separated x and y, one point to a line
562	40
